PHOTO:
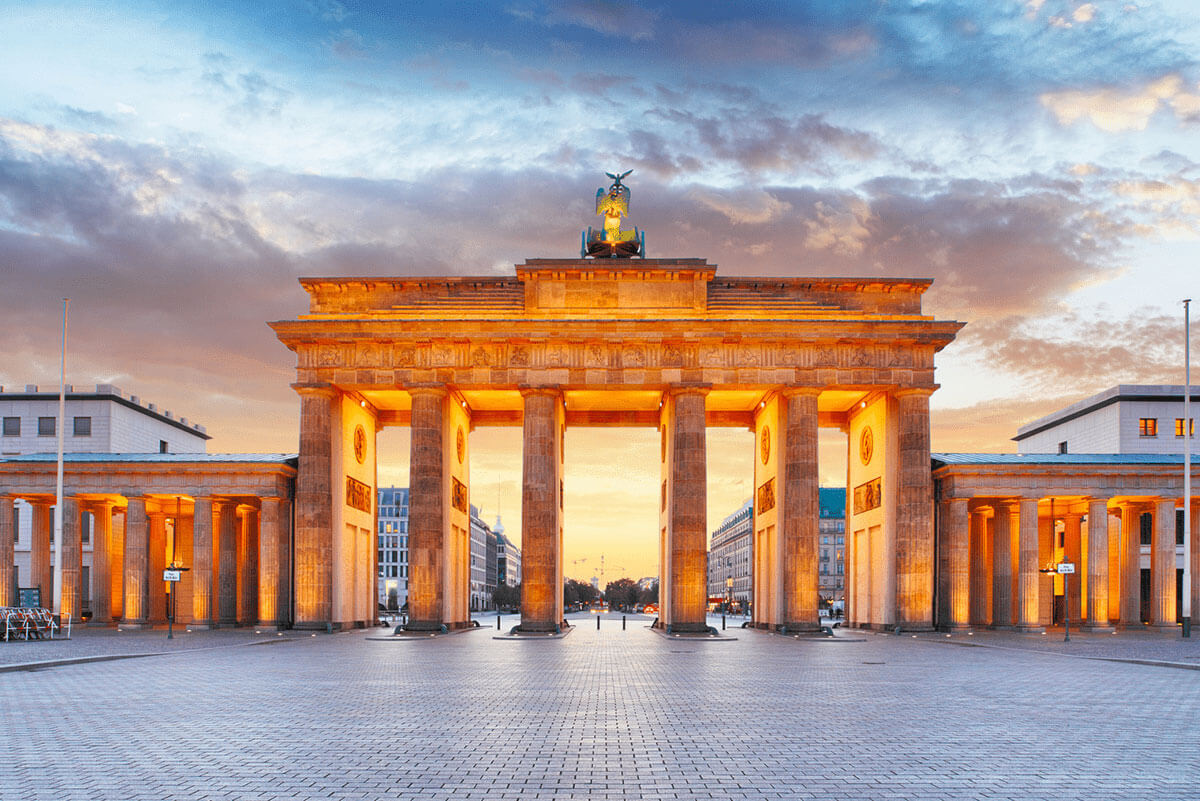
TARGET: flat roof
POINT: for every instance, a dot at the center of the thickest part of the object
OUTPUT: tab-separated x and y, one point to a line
106	392
942	459
160	458
1121	392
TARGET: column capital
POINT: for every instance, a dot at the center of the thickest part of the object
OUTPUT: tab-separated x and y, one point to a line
436	390
687	389
904	392
328	390
791	390
550	391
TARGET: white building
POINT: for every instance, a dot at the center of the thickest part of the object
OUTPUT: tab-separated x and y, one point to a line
393	545
102	419
508	557
483	583
1129	418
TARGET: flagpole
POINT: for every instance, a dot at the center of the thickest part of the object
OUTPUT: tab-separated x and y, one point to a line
58	514
1187	470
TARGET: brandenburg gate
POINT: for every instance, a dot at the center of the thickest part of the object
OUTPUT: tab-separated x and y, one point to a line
616	342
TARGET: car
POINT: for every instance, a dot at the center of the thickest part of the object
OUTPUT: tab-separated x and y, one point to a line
650	609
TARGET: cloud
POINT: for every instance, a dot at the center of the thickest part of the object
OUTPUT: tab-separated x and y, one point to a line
1115	110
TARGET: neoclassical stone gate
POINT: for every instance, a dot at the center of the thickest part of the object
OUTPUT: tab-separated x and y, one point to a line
648	342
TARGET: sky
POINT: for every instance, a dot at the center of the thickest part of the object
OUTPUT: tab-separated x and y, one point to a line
173	167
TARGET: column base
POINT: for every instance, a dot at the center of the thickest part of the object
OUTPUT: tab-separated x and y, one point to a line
955	627
686	628
1099	628
537	627
198	626
426	625
99	624
268	624
134	625
1165	627
1029	629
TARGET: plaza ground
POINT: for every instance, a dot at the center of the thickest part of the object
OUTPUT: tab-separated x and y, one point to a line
609	714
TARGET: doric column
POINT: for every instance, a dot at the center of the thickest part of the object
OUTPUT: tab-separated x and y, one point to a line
7	526
102	564
314	510
1028	578
39	552
158	561
427	508
956	583
1004	529
686	511
980	579
226	581
1073	552
272	561
137	565
800	509
1097	574
914	513
1131	565
202	563
1162	566
541	511
72	560
247	556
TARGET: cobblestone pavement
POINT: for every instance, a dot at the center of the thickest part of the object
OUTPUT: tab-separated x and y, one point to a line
597	715
93	643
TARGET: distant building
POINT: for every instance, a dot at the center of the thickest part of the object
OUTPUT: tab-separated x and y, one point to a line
831	528
508	558
1128	418
99	419
393	545
731	551
483	582
730	558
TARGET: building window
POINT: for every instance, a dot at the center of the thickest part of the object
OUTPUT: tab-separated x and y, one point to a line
1146	523
83	426
1179	427
1148	427
45	426
1179	527
1062	447
12	426
162	446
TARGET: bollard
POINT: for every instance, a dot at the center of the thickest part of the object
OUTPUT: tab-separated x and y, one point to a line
597	622
497	620
722	621
622	622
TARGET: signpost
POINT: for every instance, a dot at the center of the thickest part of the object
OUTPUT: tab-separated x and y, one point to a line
1065	569
171	575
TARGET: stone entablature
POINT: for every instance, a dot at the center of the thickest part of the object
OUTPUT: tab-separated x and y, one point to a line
576	288
659	343
1070	475
104	475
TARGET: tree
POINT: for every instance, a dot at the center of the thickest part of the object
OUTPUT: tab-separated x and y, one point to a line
506	597
648	595
622	593
578	592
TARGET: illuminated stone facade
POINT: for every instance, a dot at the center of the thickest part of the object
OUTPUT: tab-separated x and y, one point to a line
1004	518
225	517
654	342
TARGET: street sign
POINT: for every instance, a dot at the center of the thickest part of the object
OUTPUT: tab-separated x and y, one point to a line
175	575
1066	567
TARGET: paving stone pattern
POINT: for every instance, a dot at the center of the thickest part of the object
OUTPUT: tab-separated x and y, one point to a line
601	715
